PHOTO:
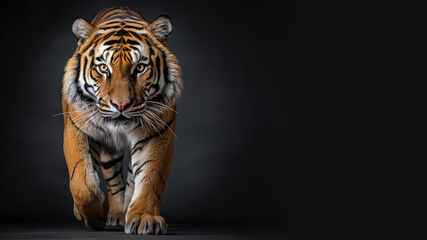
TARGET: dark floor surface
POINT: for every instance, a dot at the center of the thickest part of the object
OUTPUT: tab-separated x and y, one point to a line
175	231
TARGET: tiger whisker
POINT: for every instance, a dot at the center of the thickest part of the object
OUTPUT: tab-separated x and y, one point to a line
157	110
155	121
162	122
85	117
147	120
162	105
58	114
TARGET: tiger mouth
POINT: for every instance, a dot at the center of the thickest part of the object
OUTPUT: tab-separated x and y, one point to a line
120	119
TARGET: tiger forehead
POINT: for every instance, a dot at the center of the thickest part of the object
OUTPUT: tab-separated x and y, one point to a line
123	22
126	44
123	46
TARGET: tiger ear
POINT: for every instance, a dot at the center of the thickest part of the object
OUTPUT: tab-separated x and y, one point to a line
161	27
82	29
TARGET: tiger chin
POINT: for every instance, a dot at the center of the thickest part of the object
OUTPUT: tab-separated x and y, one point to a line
119	96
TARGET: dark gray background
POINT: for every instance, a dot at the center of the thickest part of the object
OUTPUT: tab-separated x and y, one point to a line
243	152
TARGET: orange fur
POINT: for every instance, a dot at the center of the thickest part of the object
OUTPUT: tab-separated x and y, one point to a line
91	142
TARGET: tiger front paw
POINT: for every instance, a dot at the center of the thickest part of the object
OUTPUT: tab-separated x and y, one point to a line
114	219
92	212
94	217
146	225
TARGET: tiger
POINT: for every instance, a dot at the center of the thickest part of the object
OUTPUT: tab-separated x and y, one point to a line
119	96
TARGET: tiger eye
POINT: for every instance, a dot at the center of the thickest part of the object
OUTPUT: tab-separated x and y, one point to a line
103	67
140	67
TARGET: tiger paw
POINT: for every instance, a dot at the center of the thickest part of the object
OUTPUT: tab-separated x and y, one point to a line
114	219
123	220
92	212
77	213
146	225
93	217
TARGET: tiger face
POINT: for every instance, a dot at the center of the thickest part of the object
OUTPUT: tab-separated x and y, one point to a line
121	70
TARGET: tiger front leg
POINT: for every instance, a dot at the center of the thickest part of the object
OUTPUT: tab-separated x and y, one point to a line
89	199
112	170
130	185
150	167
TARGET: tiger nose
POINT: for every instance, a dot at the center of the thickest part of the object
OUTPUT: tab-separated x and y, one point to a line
120	105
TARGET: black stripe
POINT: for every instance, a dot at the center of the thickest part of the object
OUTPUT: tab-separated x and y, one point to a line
86	85
97	153
151	74
158	67
90	190
121	189
136	35
136	110
103	104
143	58
128	58
136	150
111	42
148	42
94	159
117	56
156	88
74	169
89	44
156	98
106	112
161	177
121	33
92	51
76	126
96	162
133	42
106	36
115	175
82	130
111	163
134	48
80	94
92	77
135	146
114	185
165	69
139	169
112	27
92	63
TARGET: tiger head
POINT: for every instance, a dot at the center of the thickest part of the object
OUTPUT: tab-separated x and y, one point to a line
121	69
